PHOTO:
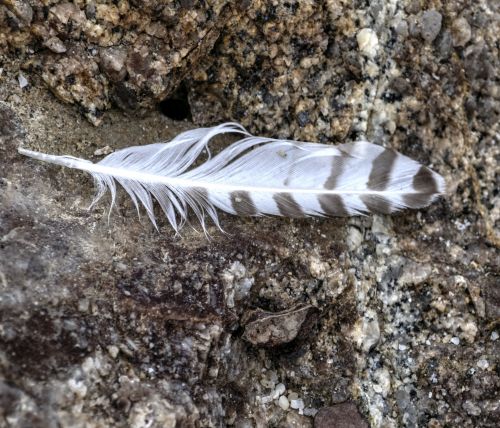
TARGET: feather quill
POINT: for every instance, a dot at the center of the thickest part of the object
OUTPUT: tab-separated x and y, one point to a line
259	176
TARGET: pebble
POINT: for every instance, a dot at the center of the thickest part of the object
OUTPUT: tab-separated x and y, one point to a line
483	364
455	341
23	82
83	305
266	399
283	402
414	273
354	238
77	387
430	25
297	404
55	45
494	336
310	411
113	351
278	391
461	32
366	332
367	42
106	150
401	28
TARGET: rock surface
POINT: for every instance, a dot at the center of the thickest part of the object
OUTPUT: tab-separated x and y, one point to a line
115	324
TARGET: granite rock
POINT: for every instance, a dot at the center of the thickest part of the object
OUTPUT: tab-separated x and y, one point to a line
115	324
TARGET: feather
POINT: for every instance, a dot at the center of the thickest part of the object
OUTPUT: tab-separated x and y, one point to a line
258	176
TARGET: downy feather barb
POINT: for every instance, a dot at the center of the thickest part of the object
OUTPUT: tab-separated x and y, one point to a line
259	176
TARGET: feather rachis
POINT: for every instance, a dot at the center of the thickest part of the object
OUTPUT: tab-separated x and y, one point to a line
259	176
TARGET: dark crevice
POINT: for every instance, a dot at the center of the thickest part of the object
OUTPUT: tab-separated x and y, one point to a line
176	106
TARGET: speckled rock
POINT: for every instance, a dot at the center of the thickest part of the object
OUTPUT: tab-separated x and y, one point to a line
93	54
115	324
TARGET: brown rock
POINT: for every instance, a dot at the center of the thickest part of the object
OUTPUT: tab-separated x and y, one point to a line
345	415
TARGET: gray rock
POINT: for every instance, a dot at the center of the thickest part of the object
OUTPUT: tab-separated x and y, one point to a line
430	24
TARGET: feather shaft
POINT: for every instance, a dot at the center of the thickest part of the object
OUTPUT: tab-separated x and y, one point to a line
84	165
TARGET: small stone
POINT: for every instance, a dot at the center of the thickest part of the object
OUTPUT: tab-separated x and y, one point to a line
283	402
366	331
494	336
112	62
455	341
23	82
113	351
310	411
279	390
401	28
55	45
303	118
430	25
483	364
264	328
266	399
106	150
83	305
344	415
367	42
461	32
414	273
445	44
77	387
354	238
297	404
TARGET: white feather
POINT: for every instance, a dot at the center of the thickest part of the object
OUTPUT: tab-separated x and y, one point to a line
257	176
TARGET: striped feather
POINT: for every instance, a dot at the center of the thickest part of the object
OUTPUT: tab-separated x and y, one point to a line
258	176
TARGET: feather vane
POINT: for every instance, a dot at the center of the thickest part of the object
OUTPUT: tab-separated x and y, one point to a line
259	176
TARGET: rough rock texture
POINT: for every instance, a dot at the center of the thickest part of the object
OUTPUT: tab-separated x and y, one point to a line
385	321
131	53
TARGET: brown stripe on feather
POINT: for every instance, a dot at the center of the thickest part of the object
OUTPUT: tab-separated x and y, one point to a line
424	181
242	203
376	204
381	170
287	206
336	172
425	187
333	205
417	200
